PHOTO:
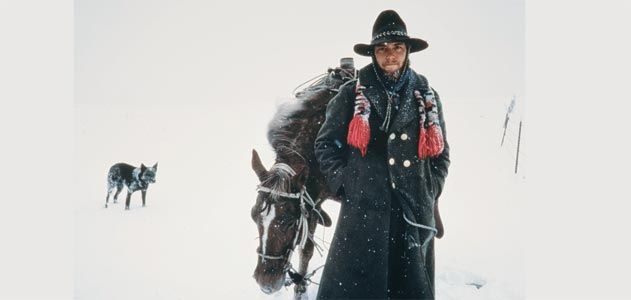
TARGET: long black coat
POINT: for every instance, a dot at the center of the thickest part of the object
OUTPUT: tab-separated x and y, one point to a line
373	247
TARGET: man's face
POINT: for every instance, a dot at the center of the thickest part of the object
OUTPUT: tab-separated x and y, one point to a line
390	56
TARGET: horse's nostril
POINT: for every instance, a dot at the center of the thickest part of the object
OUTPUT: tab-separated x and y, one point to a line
266	290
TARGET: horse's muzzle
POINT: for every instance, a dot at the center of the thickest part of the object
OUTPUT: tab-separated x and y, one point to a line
270	283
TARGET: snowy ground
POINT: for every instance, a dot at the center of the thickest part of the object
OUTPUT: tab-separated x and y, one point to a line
195	238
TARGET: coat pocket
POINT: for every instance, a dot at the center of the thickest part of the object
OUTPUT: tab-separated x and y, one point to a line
431	184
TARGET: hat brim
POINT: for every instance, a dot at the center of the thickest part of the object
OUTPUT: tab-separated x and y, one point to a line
416	45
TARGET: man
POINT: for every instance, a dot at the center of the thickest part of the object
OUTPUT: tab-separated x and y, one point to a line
383	150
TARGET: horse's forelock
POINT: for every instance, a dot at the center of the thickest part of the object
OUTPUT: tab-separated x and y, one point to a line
279	180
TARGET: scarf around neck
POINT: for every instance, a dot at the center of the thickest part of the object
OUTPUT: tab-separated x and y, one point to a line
392	86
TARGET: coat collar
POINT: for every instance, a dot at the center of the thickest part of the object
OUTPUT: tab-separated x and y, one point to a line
375	93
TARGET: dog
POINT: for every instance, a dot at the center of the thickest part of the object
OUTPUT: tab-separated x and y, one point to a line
132	177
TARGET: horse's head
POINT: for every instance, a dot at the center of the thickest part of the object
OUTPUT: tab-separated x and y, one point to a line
277	214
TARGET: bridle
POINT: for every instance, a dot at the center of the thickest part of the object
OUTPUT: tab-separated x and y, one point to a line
302	230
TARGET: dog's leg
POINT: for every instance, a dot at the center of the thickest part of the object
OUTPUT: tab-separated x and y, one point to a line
127	200
107	198
144	194
118	191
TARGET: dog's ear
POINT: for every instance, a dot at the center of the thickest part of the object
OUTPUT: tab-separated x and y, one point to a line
258	167
155	167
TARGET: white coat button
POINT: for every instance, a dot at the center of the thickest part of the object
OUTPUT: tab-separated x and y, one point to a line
392	136
404	136
406	163
394	186
391	161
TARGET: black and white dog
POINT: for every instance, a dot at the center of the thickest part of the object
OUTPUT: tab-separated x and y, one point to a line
134	178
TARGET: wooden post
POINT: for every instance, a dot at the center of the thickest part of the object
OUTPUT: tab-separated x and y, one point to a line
507	117
518	140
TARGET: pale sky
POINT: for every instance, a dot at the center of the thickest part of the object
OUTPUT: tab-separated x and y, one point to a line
200	52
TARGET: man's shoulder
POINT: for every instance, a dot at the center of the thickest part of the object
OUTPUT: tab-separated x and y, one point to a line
419	76
421	80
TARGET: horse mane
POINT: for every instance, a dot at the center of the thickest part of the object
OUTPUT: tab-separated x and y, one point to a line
294	127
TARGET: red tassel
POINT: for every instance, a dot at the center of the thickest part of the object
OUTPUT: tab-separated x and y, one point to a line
359	133
435	144
422	141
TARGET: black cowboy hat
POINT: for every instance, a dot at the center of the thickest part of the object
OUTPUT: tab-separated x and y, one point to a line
389	27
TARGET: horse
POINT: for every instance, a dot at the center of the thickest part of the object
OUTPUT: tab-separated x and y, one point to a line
291	192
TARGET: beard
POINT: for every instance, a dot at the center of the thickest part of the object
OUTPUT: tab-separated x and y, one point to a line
394	76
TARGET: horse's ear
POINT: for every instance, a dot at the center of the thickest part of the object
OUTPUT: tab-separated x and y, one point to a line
258	167
325	220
